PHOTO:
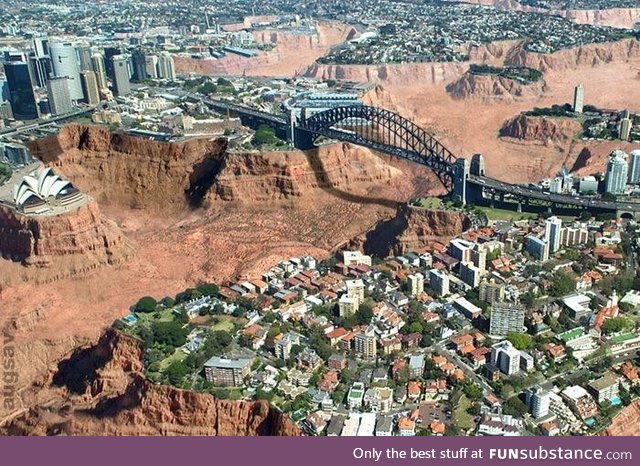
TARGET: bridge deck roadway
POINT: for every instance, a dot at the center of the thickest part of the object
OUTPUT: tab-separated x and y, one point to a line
565	199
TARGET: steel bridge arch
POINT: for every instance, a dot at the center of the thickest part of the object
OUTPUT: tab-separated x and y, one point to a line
385	131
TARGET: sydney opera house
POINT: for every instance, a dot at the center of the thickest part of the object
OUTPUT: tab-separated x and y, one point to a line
43	191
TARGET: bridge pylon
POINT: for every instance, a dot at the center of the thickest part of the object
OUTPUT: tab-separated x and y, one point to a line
460	176
302	139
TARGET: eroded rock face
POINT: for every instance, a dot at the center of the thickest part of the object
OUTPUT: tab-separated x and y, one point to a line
614	17
584	55
543	130
485	87
272	176
100	390
413	229
290	55
132	172
66	244
397	74
626	422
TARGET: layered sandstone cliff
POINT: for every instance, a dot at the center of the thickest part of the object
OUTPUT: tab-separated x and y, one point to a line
626	422
269	176
412	229
489	88
543	130
132	172
397	74
592	156
584	55
290	53
63	245
504	53
625	18
100	390
256	209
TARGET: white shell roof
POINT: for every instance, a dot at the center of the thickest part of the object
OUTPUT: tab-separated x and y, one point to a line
42	185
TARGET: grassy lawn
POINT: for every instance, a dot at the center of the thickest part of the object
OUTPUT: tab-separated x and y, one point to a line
166	315
430	203
177	355
461	417
225	323
504	214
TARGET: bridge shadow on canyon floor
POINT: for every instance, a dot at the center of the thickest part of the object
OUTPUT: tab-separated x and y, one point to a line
324	182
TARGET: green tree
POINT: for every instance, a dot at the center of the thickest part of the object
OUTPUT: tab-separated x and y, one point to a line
5	170
188	295
207	88
265	135
614	325
176	371
169	333
514	407
364	314
216	342
562	283
167	302
522	341
146	304
209	289
471	390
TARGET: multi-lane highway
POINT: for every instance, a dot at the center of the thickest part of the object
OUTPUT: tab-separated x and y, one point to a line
565	199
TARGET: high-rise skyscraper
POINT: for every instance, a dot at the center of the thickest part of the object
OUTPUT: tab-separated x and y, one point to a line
634	167
139	66
121	75
41	46
505	357
552	233
439	282
64	60
538	248
84	58
578	98
151	62
616	177
40	61
59	97
166	67
624	130
40	69
491	292
109	53
97	61
538	401
90	87
506	318
21	96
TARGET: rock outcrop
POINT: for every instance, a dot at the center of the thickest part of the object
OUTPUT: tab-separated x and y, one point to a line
290	54
625	424
100	390
584	55
64	245
492	88
625	18
271	176
543	130
396	74
412	229
131	172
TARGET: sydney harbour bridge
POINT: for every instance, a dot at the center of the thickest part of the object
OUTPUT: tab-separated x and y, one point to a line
390	133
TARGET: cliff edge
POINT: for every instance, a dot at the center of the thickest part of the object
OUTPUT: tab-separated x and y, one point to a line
100	390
